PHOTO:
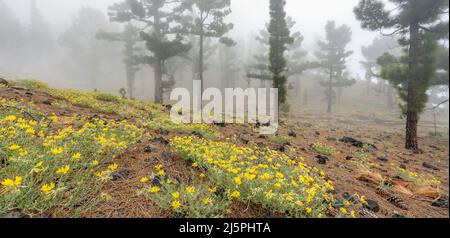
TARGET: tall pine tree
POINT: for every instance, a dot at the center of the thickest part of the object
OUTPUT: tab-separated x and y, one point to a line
419	25
207	21
333	56
279	39
161	19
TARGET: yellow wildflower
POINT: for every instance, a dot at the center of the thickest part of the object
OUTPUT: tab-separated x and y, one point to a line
47	188
63	170
190	190
155	189
235	194
14	147
176	204
113	167
176	195
144	180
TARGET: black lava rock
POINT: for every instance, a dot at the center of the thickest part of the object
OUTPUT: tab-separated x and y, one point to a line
150	149
382	159
159	140
352	141
440	203
372	205
322	159
120	174
396	215
292	134
430	166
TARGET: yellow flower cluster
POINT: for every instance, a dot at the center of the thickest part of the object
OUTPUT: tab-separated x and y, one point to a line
260	175
47	157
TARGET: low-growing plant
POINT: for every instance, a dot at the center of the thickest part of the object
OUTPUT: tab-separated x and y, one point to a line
281	140
260	176
322	149
45	168
195	200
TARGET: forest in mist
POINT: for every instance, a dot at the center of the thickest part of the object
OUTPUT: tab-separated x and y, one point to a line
356	124
95	45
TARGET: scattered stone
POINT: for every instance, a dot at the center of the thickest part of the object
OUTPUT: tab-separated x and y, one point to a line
122	173
430	166
317	133
398	216
47	102
245	140
348	197
331	139
352	141
220	192
372	205
150	148
197	134
292	133
14	214
220	124
382	159
159	140
440	203
322	159
4	82
156	182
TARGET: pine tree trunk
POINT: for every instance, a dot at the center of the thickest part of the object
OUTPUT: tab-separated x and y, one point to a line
158	68
330	90
200	59
411	142
158	81
130	81
298	87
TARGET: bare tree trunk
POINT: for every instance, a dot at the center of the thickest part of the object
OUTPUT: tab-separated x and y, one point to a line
412	118
330	90
158	68
158	81
200	59
130	82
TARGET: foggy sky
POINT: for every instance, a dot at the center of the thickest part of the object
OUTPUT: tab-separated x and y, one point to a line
248	16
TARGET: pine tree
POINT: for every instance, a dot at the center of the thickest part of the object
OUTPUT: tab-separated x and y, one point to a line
259	68
333	56
419	26
207	20
371	53
279	40
130	38
163	40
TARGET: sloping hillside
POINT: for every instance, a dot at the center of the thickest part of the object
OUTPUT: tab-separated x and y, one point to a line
65	153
